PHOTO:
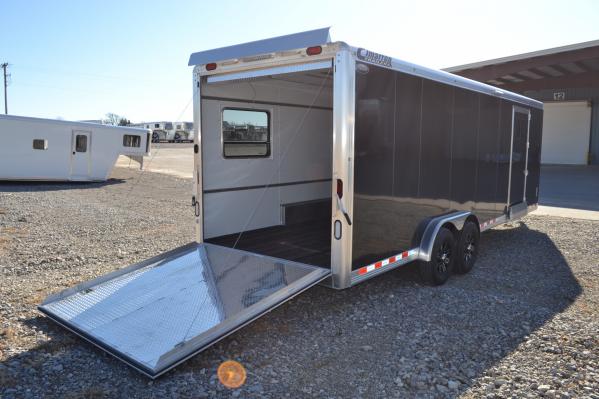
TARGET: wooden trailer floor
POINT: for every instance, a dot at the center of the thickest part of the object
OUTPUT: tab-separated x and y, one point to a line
308	242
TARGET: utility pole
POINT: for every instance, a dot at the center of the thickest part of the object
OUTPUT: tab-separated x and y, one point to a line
4	66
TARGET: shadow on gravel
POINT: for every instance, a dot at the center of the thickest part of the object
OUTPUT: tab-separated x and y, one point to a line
387	337
11	187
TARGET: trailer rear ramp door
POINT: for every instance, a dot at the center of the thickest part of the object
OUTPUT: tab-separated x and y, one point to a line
158	313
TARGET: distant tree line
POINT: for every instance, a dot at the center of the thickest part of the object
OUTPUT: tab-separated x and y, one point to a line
116	120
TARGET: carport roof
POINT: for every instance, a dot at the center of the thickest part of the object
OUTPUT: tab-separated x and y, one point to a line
575	65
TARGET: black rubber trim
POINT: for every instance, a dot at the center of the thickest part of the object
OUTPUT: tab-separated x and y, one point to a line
238	100
293	183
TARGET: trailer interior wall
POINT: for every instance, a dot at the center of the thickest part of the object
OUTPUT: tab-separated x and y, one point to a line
281	202
423	149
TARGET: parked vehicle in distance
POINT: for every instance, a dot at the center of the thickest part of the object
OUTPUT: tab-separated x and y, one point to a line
49	149
315	162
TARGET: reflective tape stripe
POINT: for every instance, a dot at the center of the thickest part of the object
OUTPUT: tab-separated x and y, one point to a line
487	223
388	261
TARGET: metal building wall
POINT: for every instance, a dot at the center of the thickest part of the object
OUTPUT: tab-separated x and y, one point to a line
578	94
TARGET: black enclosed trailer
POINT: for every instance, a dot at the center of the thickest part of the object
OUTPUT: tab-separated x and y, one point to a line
315	162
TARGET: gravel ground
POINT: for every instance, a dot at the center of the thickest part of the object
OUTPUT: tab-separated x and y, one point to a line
523	323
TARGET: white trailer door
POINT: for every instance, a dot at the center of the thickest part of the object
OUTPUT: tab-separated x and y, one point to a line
80	155
158	313
566	133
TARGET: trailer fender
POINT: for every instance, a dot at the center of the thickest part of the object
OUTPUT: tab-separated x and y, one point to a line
457	219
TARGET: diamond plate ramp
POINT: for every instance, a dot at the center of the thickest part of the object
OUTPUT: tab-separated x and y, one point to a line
158	313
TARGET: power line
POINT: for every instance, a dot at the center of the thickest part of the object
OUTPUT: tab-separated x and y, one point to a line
4	66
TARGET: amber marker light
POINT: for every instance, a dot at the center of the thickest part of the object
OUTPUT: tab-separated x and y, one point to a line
231	374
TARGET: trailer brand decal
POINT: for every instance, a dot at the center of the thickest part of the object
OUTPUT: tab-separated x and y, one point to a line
375	58
402	256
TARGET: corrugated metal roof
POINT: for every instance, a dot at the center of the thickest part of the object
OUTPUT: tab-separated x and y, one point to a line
539	53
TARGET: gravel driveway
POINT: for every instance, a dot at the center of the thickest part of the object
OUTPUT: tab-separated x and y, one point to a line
523	323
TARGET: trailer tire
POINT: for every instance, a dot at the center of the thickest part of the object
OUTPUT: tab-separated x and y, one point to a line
467	249
437	270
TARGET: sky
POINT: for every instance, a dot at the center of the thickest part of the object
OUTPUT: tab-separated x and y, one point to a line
82	59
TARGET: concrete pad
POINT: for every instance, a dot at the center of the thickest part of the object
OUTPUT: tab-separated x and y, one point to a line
566	212
570	186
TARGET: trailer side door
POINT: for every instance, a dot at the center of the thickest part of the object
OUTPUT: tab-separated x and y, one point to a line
519	155
80	155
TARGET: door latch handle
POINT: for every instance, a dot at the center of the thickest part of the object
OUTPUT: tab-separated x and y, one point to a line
343	210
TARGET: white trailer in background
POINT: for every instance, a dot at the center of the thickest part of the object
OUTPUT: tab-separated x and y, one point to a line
161	131
48	149
183	131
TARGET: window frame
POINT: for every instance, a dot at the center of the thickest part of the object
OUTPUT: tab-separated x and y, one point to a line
44	143
85	141
268	141
132	139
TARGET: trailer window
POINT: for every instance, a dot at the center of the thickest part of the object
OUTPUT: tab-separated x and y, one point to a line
130	140
246	133
156	125
40	144
81	143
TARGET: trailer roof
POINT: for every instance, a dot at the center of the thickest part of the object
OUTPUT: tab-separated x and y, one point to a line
322	37
70	123
280	43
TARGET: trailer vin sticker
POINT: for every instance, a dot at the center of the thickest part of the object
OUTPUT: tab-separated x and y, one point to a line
374	58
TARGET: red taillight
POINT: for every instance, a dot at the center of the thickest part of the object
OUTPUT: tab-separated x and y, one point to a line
314	50
211	66
339	188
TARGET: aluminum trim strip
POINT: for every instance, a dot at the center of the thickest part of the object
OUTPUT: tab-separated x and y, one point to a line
237	100
292	183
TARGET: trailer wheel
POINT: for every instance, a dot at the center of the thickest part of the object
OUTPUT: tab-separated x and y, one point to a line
437	270
155	137
177	137
467	247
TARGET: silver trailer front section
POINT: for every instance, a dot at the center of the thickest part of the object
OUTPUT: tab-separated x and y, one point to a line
301	177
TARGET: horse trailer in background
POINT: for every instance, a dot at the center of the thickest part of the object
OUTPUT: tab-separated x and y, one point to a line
183	132
50	149
315	162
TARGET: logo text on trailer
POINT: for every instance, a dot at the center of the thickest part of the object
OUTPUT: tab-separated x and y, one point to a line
375	58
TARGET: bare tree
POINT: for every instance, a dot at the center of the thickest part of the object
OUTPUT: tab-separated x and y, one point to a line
112	119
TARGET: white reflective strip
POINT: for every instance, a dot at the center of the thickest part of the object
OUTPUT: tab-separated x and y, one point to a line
385	262
369	268
270	71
